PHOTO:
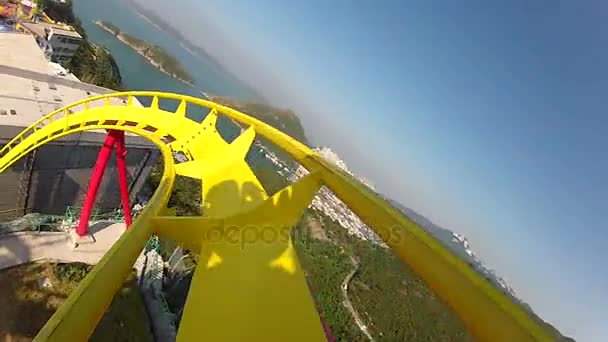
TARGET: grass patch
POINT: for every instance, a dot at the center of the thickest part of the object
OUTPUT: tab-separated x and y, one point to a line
31	293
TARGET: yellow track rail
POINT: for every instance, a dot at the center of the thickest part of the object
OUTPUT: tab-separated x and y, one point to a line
248	285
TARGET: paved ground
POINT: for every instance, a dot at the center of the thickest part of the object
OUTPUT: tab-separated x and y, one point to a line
23	247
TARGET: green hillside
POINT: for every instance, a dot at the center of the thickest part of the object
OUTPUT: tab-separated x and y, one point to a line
392	301
284	120
91	63
155	54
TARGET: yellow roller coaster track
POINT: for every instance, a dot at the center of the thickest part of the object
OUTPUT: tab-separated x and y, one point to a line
248	284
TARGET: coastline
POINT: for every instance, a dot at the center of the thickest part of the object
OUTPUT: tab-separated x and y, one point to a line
141	53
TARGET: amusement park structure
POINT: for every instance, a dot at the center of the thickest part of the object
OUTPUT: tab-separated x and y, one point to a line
248	284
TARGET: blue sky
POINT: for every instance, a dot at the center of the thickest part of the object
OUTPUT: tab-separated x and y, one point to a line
487	117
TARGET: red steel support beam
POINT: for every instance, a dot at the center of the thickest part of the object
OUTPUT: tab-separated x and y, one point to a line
123	181
100	167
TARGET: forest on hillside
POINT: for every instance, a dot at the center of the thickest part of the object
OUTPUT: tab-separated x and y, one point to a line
155	54
394	303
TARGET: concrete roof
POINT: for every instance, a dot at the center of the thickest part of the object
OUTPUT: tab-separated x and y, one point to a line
38	28
31	99
21	51
65	31
34	28
61	71
30	88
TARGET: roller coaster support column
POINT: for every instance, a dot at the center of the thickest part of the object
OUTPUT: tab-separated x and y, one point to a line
123	180
100	166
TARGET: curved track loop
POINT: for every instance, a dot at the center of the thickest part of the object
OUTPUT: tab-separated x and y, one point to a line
248	284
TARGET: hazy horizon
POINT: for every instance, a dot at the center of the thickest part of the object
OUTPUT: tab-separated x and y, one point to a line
489	119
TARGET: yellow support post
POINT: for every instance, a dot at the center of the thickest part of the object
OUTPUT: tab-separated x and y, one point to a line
248	272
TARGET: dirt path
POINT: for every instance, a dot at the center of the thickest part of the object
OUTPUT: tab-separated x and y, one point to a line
347	302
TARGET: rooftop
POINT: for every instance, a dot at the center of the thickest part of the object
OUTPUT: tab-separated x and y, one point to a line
31	86
64	30
61	71
21	51
34	28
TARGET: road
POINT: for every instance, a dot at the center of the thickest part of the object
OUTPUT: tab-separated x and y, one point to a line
347	302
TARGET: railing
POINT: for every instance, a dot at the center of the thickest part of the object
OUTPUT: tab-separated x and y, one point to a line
487	312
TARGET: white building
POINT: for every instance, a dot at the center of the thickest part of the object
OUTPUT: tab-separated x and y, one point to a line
63	39
326	201
57	174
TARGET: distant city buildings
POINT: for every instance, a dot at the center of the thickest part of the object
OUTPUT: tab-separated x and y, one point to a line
326	201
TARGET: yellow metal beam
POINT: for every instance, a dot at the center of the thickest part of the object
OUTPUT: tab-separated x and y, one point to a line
189	232
77	317
248	273
262	282
488	313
